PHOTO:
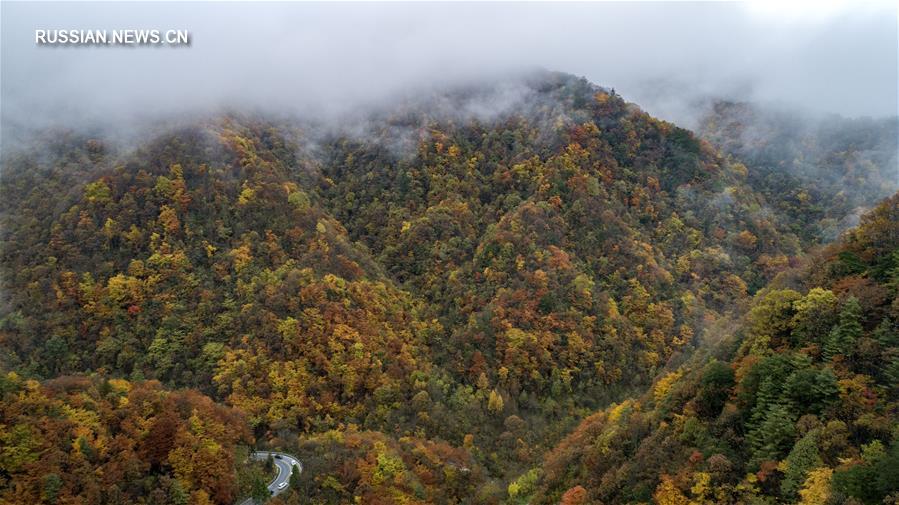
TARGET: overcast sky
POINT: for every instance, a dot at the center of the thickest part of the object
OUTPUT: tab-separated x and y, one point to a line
828	57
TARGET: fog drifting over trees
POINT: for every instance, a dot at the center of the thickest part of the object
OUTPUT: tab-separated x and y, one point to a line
837	58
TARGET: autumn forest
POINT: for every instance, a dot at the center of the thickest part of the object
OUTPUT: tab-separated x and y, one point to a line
436	301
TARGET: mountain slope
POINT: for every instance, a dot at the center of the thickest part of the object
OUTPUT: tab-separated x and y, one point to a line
111	441
821	172
530	227
193	259
805	408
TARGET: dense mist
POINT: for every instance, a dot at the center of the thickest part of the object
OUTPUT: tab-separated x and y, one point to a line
315	59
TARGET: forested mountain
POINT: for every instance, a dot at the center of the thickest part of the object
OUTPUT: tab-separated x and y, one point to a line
801	405
822	171
94	440
420	300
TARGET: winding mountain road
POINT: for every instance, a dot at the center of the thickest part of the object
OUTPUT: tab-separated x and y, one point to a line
285	463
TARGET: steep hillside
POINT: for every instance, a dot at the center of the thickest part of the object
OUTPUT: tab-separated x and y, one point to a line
819	171
80	440
197	261
804	408
571	243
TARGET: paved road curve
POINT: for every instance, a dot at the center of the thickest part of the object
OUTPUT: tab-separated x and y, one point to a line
285	463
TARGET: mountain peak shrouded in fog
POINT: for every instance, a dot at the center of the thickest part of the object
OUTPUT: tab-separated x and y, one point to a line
300	57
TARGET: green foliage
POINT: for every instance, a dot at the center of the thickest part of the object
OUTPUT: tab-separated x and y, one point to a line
870	480
19	448
815	314
775	420
811	390
887	334
841	339
774	435
802	458
97	192
52	486
521	489
715	388
259	489
770	319
295	478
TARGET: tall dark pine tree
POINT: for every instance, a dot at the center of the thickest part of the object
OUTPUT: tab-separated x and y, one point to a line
842	338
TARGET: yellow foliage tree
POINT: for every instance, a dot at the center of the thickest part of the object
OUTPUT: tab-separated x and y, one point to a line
668	494
816	490
495	402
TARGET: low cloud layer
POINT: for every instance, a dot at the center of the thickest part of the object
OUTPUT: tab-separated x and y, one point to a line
332	57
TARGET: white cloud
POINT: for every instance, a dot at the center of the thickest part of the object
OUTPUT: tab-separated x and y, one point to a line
837	58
